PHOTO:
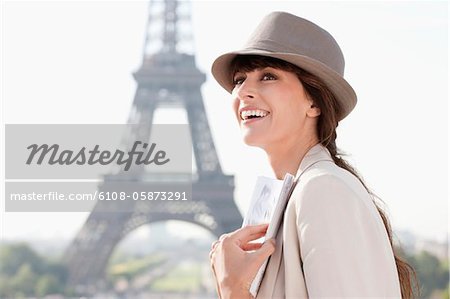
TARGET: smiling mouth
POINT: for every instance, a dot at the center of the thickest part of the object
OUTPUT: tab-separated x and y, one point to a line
253	114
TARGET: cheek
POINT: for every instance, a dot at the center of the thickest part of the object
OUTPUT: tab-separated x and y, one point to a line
298	108
292	117
235	107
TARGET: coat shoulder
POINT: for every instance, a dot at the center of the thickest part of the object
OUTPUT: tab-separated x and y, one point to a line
328	172
325	181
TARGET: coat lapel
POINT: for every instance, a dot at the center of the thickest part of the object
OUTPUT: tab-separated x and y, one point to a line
273	267
268	285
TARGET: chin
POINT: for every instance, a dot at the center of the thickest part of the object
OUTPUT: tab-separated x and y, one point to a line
252	140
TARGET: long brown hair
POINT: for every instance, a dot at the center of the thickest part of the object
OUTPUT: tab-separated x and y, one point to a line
324	99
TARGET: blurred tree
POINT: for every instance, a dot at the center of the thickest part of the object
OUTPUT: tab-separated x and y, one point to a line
432	273
24	280
47	284
5	287
13	256
23	273
446	294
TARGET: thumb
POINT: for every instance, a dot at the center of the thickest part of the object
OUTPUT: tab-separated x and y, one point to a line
265	251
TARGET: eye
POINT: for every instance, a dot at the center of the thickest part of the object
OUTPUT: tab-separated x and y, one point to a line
238	80
268	76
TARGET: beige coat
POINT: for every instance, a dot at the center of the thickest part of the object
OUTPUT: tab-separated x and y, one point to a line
332	243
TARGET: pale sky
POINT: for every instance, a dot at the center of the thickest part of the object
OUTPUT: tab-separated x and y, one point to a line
71	62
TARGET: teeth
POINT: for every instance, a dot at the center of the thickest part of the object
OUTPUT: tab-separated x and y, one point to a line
247	113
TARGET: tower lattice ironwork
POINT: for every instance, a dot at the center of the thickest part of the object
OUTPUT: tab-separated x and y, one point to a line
168	76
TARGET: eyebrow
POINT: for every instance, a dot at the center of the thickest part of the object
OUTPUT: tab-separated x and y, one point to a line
255	69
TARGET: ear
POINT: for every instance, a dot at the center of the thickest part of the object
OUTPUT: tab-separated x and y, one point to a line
313	111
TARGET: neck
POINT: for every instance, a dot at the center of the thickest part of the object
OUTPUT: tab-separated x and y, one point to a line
287	158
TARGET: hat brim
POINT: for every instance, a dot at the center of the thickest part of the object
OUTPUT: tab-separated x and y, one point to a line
344	93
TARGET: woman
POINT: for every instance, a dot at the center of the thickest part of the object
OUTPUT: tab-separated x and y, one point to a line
289	95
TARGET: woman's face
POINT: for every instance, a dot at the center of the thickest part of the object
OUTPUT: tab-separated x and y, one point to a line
272	107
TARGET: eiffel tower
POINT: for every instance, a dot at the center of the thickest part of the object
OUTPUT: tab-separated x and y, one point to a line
167	76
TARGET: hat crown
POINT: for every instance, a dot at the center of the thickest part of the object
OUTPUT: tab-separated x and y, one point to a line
284	32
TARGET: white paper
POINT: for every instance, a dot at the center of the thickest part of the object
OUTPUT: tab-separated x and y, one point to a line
263	201
268	203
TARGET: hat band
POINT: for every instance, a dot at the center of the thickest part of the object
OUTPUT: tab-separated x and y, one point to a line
270	46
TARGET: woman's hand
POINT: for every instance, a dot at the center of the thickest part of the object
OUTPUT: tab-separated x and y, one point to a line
235	261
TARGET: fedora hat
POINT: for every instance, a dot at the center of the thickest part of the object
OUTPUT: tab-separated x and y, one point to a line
298	41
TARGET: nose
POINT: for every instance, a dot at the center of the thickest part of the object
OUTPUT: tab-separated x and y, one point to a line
245	91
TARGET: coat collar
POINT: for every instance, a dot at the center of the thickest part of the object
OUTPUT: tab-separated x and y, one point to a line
315	154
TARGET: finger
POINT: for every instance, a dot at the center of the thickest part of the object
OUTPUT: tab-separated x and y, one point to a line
214	244
215	279
255	228
242	242
250	238
251	232
244	239
223	237
264	252
212	253
251	246
211	263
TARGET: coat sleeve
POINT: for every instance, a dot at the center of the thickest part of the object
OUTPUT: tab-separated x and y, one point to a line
343	243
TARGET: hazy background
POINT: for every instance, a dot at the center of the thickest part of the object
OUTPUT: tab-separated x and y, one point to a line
71	62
